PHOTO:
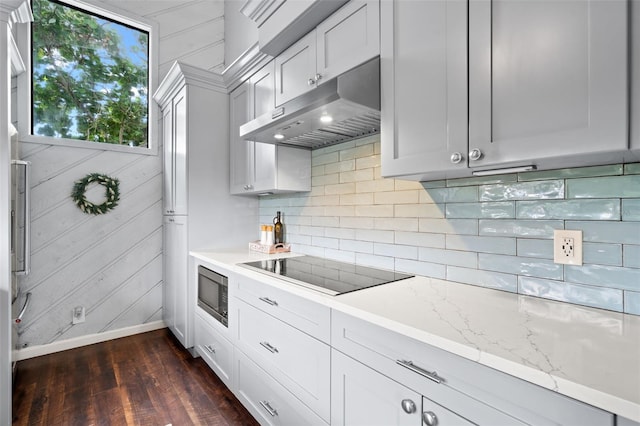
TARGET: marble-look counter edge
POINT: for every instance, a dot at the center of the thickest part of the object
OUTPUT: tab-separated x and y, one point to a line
356	304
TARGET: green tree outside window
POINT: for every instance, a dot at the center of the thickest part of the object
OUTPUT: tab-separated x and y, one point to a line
90	76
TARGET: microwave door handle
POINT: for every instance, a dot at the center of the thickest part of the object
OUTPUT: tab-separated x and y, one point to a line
26	234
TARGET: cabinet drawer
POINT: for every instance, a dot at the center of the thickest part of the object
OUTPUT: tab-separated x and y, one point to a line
214	349
490	393
298	361
267	400
310	317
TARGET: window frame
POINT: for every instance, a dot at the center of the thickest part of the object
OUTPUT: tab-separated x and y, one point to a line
25	81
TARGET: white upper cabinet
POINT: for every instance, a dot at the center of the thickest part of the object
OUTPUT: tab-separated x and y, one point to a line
174	124
296	69
258	168
547	85
547	79
347	38
423	64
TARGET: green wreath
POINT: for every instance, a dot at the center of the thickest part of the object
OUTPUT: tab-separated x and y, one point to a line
111	193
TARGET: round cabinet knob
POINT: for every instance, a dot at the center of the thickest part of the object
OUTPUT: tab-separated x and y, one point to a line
456	157
311	82
429	418
475	154
317	77
408	406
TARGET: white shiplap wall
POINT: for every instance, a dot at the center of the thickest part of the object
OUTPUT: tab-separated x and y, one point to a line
111	264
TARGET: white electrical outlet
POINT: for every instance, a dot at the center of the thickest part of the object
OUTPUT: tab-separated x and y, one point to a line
567	247
78	315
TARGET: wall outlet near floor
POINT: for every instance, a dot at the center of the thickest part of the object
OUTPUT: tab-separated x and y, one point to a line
567	247
78	315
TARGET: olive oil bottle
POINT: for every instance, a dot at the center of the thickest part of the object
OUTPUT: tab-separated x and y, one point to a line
278	229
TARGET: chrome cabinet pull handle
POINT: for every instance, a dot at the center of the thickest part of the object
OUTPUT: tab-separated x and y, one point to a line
433	376
27	301
408	406
456	158
268	347
210	349
268	301
429	418
269	408
475	154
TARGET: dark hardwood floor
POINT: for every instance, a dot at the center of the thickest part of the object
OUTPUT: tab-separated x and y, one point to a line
146	379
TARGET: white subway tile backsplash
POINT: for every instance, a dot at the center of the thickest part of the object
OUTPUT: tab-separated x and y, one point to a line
493	210
427	269
375	186
631	257
597	297
396	250
608	232
356	176
528	266
450	226
375	261
374	211
569	209
397	197
435	211
466	259
496	245
397	224
605	276
520	228
552	189
493	231
497	280
375	235
420	239
357	246
340	188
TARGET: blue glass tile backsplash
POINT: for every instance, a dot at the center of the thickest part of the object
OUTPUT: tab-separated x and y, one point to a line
492	231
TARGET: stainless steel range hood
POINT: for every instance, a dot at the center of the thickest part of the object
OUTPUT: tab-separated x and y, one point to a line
351	100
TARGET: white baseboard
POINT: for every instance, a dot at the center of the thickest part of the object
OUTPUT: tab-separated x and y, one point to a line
89	339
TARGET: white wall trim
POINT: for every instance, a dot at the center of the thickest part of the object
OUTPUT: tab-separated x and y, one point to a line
89	339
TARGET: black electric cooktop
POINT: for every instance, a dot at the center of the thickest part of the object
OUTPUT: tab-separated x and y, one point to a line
328	276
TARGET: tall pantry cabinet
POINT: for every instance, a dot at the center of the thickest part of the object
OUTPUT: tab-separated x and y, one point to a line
199	212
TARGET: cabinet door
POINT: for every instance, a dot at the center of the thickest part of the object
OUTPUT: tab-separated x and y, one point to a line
262	101
241	151
635	77
348	38
175	275
296	69
168	175
424	79
180	135
547	79
174	139
361	396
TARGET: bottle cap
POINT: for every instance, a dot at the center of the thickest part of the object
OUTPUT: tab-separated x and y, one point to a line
269	228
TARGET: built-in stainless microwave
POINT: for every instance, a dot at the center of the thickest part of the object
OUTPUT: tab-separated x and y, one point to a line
213	294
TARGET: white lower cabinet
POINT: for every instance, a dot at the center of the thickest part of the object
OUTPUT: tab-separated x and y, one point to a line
213	347
478	394
361	396
269	402
298	361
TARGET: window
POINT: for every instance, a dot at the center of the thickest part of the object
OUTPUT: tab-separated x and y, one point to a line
91	74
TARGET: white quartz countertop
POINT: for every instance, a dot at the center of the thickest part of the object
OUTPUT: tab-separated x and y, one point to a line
588	354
